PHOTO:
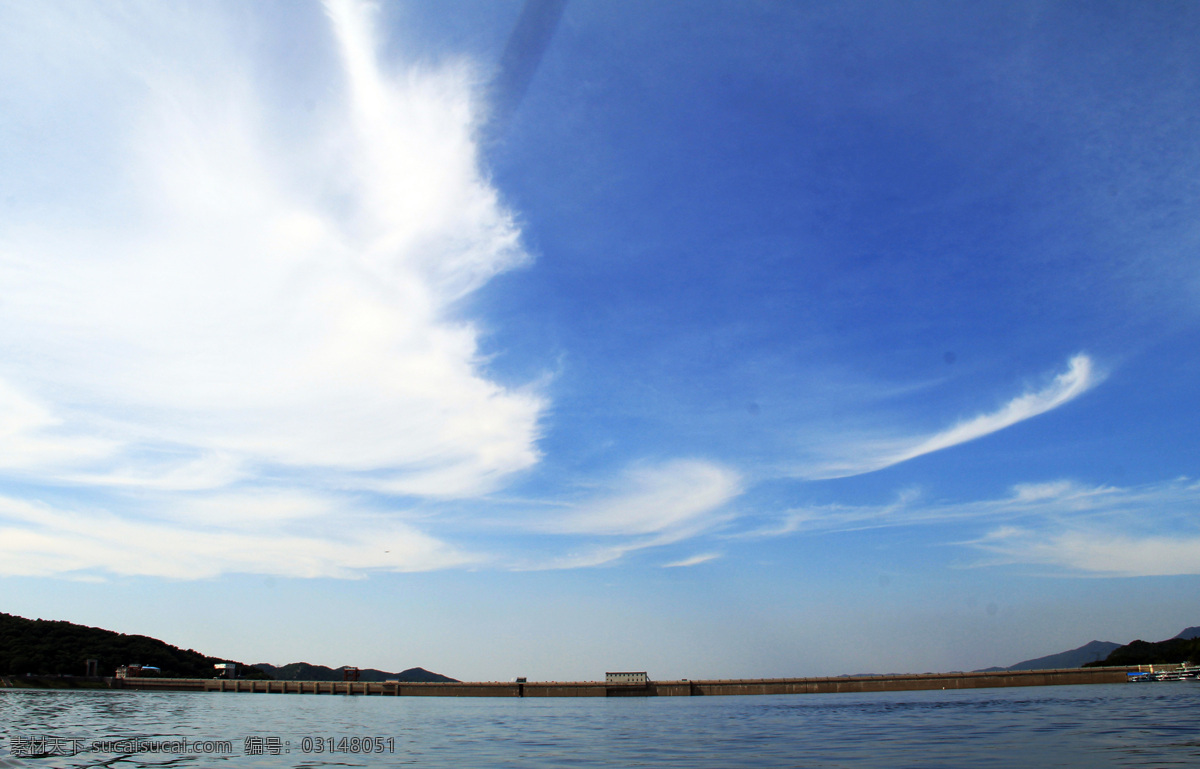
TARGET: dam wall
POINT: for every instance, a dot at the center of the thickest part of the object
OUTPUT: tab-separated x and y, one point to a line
902	683
888	683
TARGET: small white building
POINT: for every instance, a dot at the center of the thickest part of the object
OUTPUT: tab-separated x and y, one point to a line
626	678
226	669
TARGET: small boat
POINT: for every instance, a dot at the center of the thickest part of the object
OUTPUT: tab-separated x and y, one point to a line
1184	672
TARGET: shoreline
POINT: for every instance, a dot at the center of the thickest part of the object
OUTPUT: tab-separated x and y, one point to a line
681	688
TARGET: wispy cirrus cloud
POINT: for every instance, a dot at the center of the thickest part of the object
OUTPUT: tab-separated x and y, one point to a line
1141	531
867	457
676	495
286	535
694	560
649	506
1057	500
838	517
1105	551
1103	530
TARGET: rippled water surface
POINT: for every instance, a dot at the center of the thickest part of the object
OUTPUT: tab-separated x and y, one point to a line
1085	726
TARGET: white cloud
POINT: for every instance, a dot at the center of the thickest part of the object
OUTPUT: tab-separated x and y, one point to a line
37	539
1079	377
694	560
1055	500
1099	552
207	294
249	317
1065	387
1034	492
590	555
258	304
674	496
31	437
1104	530
648	506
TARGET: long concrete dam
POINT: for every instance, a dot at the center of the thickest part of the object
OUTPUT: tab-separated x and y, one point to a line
888	683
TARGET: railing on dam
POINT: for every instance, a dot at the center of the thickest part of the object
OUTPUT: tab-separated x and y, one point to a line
888	683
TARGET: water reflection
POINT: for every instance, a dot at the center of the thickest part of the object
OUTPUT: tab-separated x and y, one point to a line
1099	725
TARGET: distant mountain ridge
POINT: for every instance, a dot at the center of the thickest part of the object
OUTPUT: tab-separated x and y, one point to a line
1092	651
302	671
1096	653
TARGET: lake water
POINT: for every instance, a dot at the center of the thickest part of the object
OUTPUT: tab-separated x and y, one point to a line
1124	725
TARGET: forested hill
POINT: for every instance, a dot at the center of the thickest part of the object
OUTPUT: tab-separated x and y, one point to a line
1184	647
302	671
47	647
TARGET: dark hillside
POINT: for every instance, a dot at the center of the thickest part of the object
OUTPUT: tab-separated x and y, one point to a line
1146	653
47	647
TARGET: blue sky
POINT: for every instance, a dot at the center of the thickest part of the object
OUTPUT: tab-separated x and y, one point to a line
724	340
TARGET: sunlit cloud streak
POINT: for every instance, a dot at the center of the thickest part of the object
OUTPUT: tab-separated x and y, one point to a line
1080	376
